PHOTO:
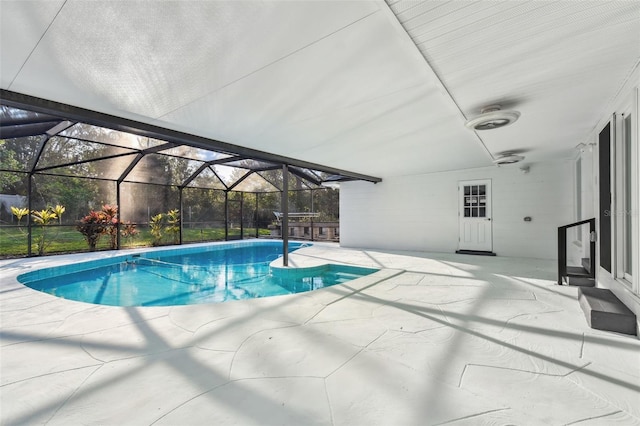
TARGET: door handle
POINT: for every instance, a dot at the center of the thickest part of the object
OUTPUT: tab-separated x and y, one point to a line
489	218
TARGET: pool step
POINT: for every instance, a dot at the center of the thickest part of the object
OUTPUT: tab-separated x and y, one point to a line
349	275
604	311
343	277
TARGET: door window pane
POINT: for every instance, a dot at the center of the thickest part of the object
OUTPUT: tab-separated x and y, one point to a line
475	201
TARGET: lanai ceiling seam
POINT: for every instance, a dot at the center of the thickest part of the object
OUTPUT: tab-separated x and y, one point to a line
35	46
434	72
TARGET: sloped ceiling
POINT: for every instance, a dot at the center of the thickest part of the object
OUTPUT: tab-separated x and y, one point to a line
376	88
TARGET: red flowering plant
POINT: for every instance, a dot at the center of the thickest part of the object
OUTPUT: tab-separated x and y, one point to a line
111	224
103	222
128	231
92	226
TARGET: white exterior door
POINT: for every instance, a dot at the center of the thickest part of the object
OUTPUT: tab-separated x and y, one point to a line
475	215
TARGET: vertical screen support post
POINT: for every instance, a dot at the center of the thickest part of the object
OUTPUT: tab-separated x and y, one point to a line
285	215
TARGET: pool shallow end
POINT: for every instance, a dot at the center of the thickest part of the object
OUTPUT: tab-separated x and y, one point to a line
301	265
292	273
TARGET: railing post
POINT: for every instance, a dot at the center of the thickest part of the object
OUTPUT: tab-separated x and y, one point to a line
562	253
592	247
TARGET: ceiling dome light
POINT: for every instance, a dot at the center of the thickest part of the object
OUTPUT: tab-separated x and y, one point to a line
508	158
492	117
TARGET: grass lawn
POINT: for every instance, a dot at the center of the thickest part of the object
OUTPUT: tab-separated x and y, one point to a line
66	239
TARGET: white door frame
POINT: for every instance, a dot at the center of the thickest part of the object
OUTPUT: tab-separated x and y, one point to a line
475	215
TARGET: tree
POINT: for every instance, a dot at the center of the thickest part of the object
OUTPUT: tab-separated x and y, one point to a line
327	203
8	161
75	193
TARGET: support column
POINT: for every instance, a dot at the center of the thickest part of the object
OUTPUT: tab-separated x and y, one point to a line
242	215
180	213
30	195
119	215
312	211
255	215
284	206
29	207
226	215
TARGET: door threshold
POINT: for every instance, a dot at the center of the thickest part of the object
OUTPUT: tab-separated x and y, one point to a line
476	252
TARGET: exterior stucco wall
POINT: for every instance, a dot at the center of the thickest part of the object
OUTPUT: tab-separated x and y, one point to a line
420	212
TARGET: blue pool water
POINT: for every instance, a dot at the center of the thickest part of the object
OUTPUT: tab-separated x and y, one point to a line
184	276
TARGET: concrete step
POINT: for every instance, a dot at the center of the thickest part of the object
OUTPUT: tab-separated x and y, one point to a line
577	271
604	311
476	252
580	281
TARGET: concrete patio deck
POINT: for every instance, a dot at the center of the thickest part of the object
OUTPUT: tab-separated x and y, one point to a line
430	339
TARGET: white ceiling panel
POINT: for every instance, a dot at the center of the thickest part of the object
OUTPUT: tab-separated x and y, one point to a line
149	58
364	96
23	23
558	63
372	87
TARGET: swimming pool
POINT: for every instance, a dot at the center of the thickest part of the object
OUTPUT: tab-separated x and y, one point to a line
187	275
